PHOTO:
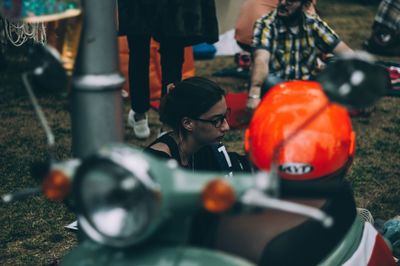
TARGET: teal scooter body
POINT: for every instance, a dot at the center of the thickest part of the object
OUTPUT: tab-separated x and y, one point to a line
177	197
89	253
159	201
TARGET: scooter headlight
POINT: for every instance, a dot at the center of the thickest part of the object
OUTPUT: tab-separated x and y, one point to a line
116	199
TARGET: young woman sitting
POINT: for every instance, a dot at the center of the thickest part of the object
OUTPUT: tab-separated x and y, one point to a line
196	111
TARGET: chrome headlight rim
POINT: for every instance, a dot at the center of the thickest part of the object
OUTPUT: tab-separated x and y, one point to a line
84	215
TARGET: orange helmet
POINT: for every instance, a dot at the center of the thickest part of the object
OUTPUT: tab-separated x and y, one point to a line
323	147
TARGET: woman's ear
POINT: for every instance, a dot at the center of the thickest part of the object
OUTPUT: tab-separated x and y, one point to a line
187	123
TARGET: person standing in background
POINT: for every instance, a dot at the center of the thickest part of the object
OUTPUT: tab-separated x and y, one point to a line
174	24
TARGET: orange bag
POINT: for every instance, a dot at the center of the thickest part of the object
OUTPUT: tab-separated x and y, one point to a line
188	69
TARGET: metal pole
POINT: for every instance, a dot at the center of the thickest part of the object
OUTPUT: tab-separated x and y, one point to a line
96	103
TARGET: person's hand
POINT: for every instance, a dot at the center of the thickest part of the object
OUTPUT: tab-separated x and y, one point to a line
254	98
252	102
170	87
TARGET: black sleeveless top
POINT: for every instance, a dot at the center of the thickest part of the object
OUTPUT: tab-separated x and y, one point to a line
168	140
208	158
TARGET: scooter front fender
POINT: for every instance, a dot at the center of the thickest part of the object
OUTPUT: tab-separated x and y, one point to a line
89	253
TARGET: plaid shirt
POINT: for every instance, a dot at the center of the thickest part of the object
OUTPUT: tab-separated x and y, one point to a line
293	55
389	14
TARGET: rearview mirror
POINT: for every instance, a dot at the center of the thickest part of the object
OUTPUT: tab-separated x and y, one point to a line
354	80
48	74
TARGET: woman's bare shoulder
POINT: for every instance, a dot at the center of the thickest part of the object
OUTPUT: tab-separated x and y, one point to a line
160	146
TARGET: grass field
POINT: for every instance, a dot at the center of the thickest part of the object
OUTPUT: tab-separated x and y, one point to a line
32	231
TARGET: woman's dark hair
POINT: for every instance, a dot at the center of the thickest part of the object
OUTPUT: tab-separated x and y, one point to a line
191	98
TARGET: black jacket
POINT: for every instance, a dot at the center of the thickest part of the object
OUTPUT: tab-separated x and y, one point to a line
194	21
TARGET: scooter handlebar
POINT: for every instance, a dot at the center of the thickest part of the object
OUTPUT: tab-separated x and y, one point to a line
314	189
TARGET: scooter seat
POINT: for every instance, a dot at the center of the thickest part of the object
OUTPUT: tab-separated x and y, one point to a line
274	237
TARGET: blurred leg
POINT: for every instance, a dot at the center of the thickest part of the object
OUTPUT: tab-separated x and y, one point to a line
172	57
139	57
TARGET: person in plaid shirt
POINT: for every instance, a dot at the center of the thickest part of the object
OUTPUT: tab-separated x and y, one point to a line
286	44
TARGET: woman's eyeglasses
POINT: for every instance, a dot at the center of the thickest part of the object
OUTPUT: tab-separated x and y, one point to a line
218	121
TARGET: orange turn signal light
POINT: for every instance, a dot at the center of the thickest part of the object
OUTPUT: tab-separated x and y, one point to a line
218	196
56	185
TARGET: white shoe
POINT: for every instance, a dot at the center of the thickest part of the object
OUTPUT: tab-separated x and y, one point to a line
124	94
141	127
